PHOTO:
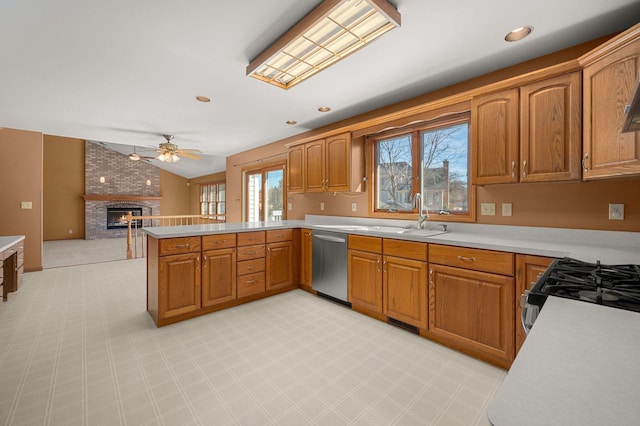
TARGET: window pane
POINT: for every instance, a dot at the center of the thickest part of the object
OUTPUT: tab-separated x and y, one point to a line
273	189
221	192
212	208
221	208
445	176
394	173
203	208
254	197
204	189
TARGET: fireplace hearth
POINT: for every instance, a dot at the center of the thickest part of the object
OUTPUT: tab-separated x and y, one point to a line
117	217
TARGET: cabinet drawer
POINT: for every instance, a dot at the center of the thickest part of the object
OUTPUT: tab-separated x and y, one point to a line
251	252
496	262
279	235
179	245
20	256
213	242
251	284
406	249
370	244
251	238
250	266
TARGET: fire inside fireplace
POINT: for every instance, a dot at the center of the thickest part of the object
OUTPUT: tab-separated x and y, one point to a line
117	217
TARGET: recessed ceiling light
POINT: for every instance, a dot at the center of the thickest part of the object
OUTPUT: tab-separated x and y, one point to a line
324	109
518	33
203	98
292	122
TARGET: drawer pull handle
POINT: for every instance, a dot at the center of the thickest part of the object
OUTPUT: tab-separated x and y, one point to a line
513	169
251	252
252	238
524	168
467	259
251	267
378	265
280	236
220	241
252	281
181	245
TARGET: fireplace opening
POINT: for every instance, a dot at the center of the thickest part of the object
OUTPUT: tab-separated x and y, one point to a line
117	217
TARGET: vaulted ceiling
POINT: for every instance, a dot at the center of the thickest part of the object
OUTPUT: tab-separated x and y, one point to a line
124	72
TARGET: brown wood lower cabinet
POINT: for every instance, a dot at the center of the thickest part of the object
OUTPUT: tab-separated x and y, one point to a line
218	276
364	278
178	284
306	260
473	312
528	268
279	265
405	290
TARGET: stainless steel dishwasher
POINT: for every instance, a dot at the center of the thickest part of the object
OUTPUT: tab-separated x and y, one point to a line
329	270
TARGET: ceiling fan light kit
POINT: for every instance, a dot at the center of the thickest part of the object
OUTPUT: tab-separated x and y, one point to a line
332	31
169	152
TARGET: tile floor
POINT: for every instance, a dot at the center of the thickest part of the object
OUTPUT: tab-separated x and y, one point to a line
60	253
77	348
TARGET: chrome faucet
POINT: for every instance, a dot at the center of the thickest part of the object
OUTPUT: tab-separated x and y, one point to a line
417	202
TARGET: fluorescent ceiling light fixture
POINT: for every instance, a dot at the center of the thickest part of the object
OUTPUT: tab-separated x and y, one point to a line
332	31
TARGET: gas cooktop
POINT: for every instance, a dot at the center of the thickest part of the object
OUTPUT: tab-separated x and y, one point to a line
616	286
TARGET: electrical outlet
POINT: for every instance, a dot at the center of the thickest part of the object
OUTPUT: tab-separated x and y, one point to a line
488	209
616	211
26	205
70	231
321	206
289	206
354	207
507	209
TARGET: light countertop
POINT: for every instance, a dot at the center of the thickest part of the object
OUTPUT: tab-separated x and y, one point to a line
578	366
9	240
610	247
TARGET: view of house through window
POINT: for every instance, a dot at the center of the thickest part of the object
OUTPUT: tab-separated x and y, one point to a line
264	195
432	160
213	200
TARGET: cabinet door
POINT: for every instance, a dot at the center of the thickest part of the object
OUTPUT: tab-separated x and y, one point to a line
338	162
364	279
314	166
609	85
218	276
472	311
279	265
494	138
528	268
306	259
178	284
295	168
551	129
405	290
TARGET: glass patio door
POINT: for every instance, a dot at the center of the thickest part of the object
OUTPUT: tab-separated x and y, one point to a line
264	199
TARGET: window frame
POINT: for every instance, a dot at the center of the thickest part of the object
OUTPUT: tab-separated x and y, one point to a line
218	216
262	171
415	130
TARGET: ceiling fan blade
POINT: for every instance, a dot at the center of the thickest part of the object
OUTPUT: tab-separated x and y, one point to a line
190	150
187	155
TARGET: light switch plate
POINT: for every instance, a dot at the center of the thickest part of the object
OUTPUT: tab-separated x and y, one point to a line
26	205
507	209
616	211
354	207
488	209
321	206
289	206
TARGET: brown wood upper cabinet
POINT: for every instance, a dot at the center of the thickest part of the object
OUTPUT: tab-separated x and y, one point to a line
332	164
610	79
528	134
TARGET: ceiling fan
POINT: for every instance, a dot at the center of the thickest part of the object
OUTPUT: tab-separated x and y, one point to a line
170	153
134	156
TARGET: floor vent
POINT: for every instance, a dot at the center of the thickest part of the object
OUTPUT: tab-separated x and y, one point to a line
403	325
333	299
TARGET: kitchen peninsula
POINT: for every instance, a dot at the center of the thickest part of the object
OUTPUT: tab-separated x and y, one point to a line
11	263
198	269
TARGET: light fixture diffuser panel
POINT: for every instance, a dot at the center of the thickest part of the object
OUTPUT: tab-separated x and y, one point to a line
331	32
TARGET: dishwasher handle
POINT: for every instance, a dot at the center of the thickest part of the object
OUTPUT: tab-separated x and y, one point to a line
330	238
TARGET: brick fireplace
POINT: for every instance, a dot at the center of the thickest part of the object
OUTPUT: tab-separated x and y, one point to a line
113	181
